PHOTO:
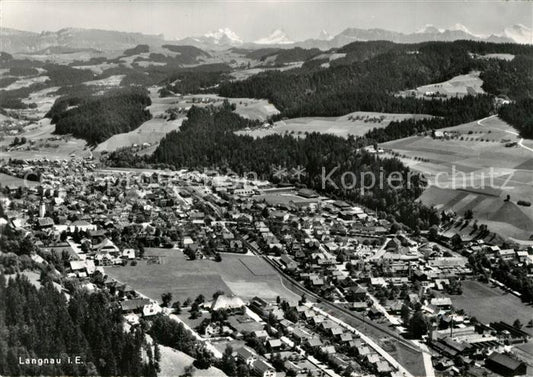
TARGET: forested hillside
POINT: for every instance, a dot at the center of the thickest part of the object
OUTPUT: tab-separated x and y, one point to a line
520	116
95	119
367	78
39	323
448	113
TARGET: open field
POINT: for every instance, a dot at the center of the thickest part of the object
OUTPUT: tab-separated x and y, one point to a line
489	304
243	275
243	74
357	123
26	81
111	81
173	363
254	109
473	169
151	131
457	86
67	58
250	108
44	99
9	180
45	144
507	57
97	68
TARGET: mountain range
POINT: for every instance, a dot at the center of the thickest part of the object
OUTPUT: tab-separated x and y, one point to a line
16	41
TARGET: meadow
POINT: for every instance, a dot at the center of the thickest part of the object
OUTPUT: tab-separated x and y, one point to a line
243	275
357	124
45	144
490	304
457	86
174	363
473	169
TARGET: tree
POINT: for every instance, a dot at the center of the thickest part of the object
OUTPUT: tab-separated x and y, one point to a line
469	214
166	298
418	325
188	371
218	293
517	324
277	362
177	307
204	358
157	356
227	363
242	371
456	241
405	314
433	233
200	299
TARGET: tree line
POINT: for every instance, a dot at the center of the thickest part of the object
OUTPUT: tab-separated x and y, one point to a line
41	323
97	118
520	116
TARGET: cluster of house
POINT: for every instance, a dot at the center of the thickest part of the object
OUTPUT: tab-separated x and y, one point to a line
306	340
85	219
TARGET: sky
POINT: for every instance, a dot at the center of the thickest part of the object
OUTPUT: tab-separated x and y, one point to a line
255	19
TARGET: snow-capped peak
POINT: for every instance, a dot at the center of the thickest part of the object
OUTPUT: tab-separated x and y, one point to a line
519	33
324	36
460	27
428	28
277	37
464	29
224	36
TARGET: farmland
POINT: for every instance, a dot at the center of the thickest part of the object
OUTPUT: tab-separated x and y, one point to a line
457	86
357	124
44	144
472	168
153	130
26	81
9	180
249	108
246	73
173	363
243	275
490	304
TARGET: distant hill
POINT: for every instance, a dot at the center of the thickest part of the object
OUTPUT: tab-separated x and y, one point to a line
429	33
16	41
56	50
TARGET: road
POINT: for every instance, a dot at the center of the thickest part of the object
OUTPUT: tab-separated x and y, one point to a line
299	289
381	250
391	360
339	313
520	142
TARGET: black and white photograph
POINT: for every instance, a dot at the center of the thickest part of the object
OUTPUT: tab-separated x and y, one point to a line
266	188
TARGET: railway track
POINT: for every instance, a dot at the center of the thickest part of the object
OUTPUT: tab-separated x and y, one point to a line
300	289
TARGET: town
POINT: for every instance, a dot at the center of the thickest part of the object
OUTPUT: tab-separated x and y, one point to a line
311	285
